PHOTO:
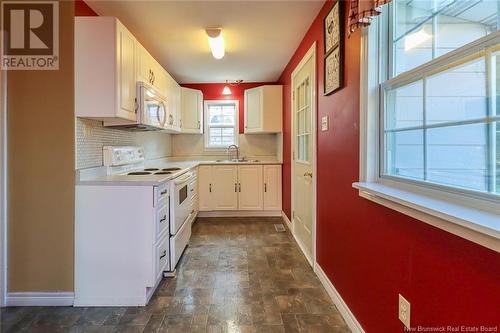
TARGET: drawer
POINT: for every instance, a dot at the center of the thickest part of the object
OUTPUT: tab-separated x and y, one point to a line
162	219
160	194
162	256
179	242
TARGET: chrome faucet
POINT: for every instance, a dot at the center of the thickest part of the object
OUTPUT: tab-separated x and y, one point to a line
229	152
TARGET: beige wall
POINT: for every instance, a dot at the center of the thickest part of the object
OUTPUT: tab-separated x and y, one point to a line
261	145
41	171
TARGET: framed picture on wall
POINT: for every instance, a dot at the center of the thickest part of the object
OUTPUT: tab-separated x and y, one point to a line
334	49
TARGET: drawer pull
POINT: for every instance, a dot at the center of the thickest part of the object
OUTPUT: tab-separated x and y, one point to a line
163	254
164	218
192	212
163	192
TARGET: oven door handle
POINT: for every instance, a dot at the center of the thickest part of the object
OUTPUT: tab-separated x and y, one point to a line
183	178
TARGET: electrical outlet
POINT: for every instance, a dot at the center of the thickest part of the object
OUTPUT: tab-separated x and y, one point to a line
404	311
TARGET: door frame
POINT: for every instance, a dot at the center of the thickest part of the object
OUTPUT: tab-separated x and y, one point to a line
311	53
3	188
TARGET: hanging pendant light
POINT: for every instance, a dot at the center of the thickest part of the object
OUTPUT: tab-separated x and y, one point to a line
226	90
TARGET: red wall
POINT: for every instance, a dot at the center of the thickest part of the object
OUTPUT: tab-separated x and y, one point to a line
82	9
369	252
213	91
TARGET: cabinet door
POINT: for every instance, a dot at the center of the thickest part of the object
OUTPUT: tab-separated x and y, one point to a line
126	70
192	109
272	187
205	188
143	64
224	186
253	109
250	187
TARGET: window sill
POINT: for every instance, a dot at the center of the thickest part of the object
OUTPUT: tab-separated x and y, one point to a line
476	225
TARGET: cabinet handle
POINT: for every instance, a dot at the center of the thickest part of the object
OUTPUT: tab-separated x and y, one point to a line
163	192
265	187
180	123
163	254
235	187
199	125
210	187
164	218
136	107
239	187
150	76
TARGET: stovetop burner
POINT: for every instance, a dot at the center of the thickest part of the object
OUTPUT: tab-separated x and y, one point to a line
138	173
170	169
163	173
151	169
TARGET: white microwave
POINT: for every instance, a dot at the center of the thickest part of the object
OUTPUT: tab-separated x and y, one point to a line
151	110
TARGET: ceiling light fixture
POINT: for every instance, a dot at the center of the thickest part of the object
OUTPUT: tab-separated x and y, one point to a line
216	42
226	90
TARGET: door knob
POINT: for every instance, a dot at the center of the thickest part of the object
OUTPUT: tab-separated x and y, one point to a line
308	174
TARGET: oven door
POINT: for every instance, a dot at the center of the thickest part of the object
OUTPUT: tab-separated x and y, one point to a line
153	111
181	207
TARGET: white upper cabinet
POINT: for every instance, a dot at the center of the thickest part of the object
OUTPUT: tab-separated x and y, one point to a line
109	62
105	69
150	71
173	96
263	109
250	187
272	187
192	111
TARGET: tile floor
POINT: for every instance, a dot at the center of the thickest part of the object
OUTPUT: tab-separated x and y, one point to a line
237	275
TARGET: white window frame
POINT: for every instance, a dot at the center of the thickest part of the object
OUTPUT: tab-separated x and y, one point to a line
206	125
469	214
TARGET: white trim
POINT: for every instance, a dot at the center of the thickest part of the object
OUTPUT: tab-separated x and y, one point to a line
40	299
3	187
287	221
205	125
239	213
344	310
311	53
468	206
441	214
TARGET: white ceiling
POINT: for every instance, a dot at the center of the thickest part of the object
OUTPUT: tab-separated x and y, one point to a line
260	36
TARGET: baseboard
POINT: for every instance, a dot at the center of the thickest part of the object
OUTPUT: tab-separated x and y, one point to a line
287	221
240	213
40	298
344	310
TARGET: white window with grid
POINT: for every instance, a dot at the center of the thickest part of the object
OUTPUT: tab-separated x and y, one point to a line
430	114
221	124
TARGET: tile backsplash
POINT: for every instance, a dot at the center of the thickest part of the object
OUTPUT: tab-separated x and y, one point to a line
91	136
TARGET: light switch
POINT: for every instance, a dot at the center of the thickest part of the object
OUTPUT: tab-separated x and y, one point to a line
324	123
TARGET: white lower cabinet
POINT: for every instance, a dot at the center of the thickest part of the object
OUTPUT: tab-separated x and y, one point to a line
250	187
204	188
239	187
272	187
121	243
224	183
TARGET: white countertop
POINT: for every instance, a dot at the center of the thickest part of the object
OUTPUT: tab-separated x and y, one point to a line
98	176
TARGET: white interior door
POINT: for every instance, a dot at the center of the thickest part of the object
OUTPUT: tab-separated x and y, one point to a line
303	155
